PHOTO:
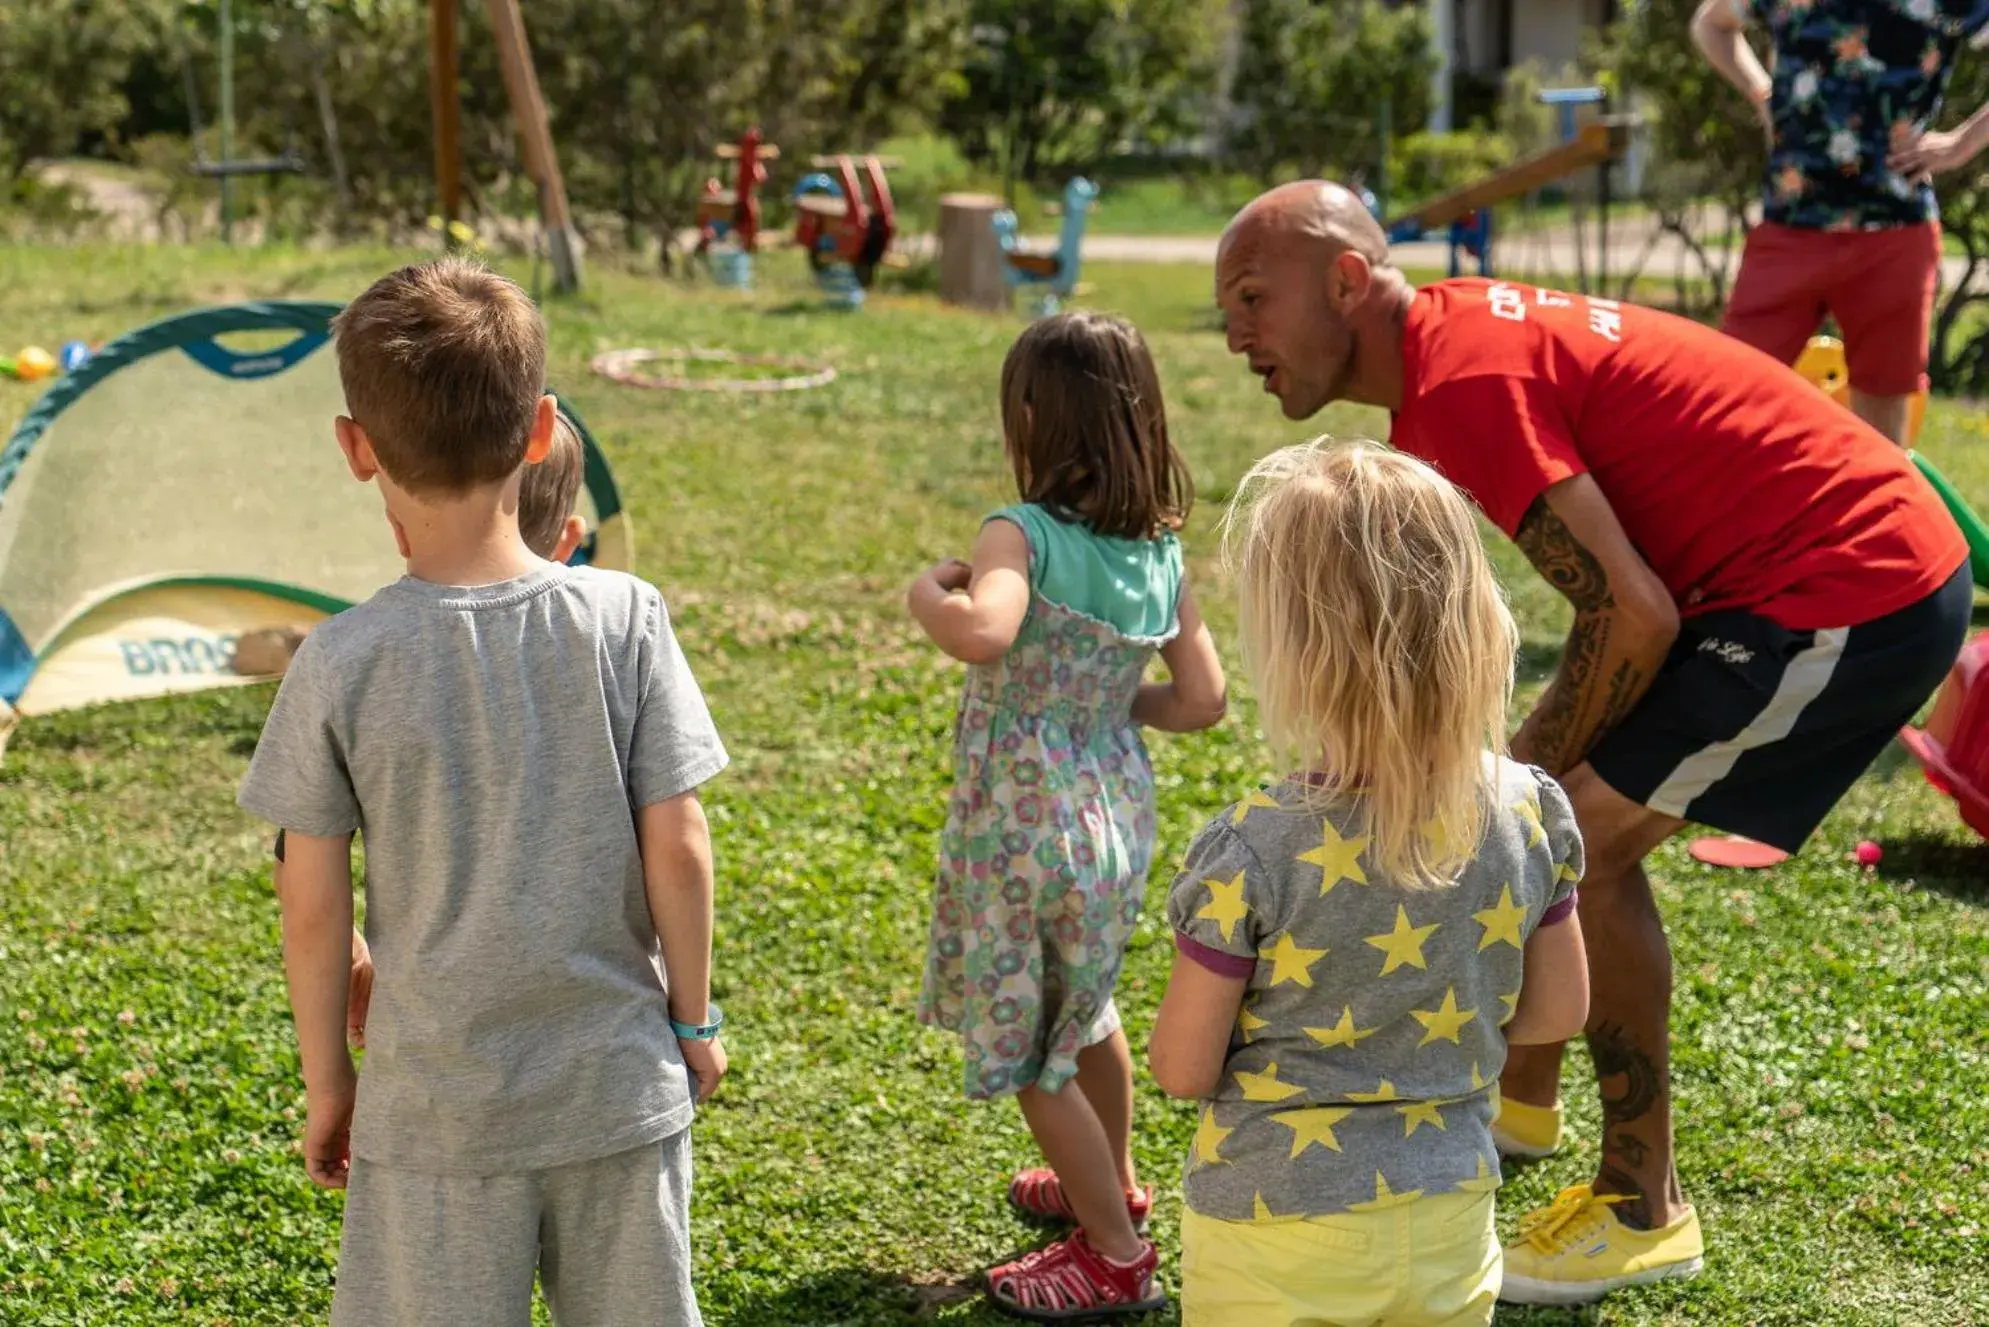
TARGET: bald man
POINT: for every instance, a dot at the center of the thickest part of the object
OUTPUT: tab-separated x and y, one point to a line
1764	590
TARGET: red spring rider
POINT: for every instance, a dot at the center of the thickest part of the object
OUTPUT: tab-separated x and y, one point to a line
736	211
835	223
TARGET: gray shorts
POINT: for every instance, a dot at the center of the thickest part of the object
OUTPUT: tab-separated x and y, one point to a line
609	1240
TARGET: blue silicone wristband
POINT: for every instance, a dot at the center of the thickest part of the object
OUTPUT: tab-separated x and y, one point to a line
700	1031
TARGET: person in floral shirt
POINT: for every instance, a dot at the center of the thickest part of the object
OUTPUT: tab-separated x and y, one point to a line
1849	224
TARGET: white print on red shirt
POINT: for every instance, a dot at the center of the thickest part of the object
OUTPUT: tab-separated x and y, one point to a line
1605	317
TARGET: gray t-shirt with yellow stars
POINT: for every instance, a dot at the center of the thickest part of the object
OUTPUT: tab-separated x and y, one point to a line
1364	1068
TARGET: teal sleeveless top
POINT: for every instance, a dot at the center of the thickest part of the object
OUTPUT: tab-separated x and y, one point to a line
1132	585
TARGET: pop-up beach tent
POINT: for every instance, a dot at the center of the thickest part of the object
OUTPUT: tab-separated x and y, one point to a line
182	487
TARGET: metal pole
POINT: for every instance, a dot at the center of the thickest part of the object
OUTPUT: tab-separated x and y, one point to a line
227	120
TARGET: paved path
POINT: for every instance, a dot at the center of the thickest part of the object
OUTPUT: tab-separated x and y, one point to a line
1548	251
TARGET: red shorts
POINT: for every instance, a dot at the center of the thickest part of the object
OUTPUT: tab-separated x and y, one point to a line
1878	284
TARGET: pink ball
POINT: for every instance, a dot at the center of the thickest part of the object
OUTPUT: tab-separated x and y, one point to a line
1869	853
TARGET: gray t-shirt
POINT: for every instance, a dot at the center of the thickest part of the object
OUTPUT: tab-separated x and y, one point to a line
1365	1063
492	744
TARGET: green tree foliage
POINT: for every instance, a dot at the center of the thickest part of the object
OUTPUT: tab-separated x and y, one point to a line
1707	149
1312	79
638	92
1051	85
63	64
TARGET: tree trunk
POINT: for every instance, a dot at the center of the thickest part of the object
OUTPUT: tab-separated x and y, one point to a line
970	257
329	119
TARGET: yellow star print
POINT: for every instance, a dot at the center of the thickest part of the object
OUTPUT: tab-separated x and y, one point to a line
1418	1113
1511	1002
1261	1211
1567	872
1225	906
1528	810
1338	857
1501	922
1265	1086
1249	1023
1385	1197
1386	1092
1291	962
1477	1079
1258	800
1434	831
1208	1139
1312	1126
1444	1023
1342	1033
1404	944
1486	1182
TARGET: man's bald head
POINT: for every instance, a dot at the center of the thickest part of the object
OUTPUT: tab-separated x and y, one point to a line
1305	286
1308	211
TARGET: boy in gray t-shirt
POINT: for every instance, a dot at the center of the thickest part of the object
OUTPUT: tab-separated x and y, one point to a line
519	744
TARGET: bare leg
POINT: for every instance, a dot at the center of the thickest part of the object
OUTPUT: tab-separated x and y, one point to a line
1629	1018
1629	1038
1078	1148
1105	1073
1887	414
1533	1073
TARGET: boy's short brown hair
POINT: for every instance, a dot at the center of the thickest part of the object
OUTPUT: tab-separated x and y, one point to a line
548	490
443	364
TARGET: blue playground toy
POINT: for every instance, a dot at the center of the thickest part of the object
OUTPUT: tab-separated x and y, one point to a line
1050	278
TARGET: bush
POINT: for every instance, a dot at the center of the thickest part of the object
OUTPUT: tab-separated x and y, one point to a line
1424	165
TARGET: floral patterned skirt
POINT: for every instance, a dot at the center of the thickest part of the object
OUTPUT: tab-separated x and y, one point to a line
1043	865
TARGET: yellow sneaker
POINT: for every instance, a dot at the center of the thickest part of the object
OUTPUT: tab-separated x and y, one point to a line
1575	1251
1527	1132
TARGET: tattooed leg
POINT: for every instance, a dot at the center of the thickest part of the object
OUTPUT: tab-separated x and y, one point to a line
1629	1032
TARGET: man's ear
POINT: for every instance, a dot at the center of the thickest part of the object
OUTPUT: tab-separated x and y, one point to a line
1349	279
358	449
538	444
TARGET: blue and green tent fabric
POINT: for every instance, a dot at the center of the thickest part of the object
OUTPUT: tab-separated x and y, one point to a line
182	487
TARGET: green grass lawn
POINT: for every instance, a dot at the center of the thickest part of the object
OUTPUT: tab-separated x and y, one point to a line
1832	1043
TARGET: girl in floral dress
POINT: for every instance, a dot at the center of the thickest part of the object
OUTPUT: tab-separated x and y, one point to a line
1050	832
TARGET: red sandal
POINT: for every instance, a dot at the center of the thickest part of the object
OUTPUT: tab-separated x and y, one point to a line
1070	1280
1039	1194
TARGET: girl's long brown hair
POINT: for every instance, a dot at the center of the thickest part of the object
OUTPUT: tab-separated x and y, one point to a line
1086	429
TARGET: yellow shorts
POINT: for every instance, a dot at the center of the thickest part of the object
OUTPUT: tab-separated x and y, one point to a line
1431	1262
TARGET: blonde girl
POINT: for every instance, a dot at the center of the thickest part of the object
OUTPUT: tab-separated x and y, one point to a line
1350	940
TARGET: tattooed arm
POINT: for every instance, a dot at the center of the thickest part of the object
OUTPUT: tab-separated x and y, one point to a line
1625	622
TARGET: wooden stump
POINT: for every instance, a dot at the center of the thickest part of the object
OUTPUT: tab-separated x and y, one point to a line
970	257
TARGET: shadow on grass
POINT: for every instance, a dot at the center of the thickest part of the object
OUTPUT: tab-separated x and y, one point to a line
850	1297
1961	871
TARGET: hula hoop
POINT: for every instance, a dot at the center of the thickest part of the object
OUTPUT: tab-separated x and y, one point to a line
619	366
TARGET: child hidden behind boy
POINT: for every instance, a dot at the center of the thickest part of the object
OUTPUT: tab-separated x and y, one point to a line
1050	832
520	744
1351	940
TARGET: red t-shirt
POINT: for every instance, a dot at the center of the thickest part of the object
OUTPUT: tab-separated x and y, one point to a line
1741	484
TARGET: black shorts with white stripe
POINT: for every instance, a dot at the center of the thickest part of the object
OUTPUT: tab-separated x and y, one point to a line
1758	730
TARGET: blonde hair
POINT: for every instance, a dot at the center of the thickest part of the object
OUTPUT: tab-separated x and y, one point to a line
443	364
547	491
1380	644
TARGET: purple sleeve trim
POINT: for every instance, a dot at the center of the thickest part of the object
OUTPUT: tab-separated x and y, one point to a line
1223	965
1558	912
